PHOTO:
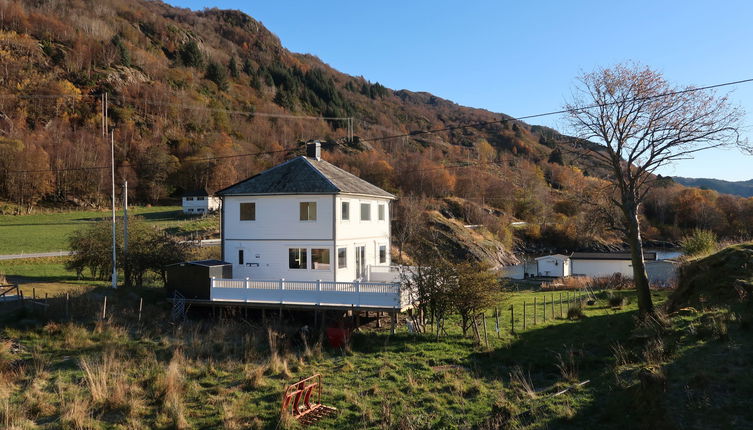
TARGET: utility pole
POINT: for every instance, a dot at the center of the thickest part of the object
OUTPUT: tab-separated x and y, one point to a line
126	267
112	170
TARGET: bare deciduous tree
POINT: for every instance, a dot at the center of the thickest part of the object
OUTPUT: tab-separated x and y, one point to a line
643	123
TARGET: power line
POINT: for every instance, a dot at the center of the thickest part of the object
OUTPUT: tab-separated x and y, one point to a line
409	134
557	112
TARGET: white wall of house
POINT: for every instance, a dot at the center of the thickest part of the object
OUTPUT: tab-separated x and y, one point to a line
600	268
200	204
266	241
663	272
553	265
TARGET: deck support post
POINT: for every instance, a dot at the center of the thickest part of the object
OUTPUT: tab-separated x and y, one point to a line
393	319
379	319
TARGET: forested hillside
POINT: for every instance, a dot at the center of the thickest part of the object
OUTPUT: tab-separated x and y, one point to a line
738	188
204	99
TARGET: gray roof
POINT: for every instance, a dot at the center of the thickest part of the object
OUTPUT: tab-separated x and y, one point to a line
304	175
647	256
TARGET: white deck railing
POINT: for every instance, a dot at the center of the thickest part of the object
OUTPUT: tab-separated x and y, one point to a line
324	293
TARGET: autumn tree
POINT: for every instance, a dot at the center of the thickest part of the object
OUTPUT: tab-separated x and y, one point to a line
643	123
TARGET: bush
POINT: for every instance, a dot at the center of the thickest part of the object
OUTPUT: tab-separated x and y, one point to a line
699	242
575	312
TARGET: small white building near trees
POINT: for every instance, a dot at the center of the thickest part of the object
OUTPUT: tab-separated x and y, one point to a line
556	265
200	202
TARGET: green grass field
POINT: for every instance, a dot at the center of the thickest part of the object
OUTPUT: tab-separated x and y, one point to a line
46	232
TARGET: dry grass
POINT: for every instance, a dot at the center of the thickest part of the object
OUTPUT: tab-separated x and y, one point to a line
567	283
567	365
521	383
173	390
254	374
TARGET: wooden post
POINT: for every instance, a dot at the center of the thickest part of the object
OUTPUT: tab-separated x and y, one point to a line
379	319
524	315
544	307
393	324
104	309
67	299
141	306
496	321
534	311
34	294
561	304
512	321
486	337
552	307
358	319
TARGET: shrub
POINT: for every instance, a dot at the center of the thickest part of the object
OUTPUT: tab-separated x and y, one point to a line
699	242
575	312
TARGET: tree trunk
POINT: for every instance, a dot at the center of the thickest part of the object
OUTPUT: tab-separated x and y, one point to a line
640	278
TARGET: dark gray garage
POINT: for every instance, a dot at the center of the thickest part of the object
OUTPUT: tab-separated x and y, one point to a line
191	278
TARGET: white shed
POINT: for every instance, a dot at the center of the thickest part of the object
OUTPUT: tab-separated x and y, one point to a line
662	272
556	266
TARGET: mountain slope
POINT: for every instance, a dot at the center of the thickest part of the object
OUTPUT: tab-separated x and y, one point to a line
738	188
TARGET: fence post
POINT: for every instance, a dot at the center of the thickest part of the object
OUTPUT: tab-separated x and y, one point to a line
524	315
512	321
496	322
104	309
534	311
544	307
486	337
560	304
67	299
141	306
282	293
34	294
318	292
552	307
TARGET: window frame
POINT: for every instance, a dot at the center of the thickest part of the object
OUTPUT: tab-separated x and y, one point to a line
368	212
342	263
326	252
380	248
302	258
240	211
344	211
308	205
381	212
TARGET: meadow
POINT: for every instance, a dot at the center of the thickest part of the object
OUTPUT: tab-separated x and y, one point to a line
48	231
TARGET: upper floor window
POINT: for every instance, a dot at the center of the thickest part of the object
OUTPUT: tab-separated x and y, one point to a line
308	211
345	211
381	212
188	199
365	211
248	211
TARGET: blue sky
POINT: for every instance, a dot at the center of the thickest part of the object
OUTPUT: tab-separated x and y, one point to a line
521	58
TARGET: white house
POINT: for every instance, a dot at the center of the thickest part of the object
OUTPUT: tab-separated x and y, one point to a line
556	265
307	220
199	203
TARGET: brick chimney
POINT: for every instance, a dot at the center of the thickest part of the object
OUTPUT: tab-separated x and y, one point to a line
314	149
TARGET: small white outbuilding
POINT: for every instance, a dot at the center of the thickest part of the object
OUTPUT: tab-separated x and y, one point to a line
200	202
556	266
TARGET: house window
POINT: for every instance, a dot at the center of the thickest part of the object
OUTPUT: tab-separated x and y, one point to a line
365	211
240	257
345	211
188	199
199	198
342	258
320	259
297	258
248	211
382	254
381	212
190	210
308	211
